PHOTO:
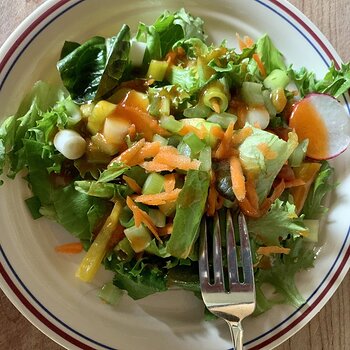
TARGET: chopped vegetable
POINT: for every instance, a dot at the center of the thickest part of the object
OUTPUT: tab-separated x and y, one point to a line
98	249
69	248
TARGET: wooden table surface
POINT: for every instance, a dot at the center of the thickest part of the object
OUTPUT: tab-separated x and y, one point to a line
329	330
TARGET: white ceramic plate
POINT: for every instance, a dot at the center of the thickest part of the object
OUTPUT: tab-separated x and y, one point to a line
41	283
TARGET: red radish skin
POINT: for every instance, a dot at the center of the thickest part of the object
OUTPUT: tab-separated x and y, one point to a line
324	121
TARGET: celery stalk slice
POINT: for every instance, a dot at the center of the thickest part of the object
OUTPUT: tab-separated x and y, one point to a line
93	258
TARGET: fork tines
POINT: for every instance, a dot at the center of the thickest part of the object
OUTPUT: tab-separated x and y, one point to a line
217	282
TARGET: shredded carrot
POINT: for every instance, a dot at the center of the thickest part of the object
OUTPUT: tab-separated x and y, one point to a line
294	183
264	263
134	109
306	172
166	230
156	167
237	178
149	150
249	42
242	111
266	151
132	184
169	182
217	132
241	43
158	198
212	200
248	209
174	55
70	248
200	133
219	202
212	195
128	155
168	158
251	192
275	194
272	250
225	147
261	66
171	57
169	150
142	217
240	135
286	173
254	211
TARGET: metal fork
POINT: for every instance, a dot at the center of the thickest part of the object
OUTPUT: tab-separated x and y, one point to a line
232	300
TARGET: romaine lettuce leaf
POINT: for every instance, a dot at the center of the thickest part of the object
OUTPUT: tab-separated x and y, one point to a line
74	210
81	70
189	211
166	31
93	70
117	52
270	57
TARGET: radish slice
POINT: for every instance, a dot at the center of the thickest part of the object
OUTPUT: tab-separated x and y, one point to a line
324	121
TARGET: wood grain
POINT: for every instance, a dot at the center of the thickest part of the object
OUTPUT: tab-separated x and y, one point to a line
329	330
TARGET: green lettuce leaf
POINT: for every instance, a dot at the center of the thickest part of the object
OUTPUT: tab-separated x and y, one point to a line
117	52
166	31
269	55
313	207
138	277
189	211
279	222
74	210
101	189
335	82
81	70
254	162
282	275
93	70
177	26
15	129
185	78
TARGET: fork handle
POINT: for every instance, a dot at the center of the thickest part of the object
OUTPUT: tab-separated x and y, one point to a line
236	331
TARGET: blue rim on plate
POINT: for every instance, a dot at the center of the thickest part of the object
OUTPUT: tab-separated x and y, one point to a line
45	15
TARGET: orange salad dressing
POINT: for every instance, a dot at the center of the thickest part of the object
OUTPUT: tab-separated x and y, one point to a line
309	125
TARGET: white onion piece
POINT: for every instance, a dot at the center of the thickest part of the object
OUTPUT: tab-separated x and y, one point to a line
258	116
137	52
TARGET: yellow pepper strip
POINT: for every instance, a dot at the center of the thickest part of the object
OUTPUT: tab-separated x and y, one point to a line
93	258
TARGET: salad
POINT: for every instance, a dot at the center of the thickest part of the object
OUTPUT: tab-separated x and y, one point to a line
149	132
